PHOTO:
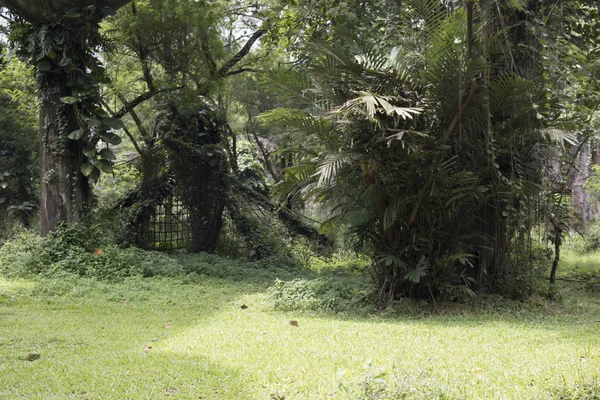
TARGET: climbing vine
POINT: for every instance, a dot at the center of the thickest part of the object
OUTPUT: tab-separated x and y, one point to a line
62	54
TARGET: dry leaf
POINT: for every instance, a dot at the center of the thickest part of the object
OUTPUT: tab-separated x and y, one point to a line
97	252
147	348
294	323
167	326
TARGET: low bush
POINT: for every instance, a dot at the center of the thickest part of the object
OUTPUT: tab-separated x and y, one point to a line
84	250
69	250
337	295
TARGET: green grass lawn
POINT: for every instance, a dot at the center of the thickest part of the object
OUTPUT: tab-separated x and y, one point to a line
189	338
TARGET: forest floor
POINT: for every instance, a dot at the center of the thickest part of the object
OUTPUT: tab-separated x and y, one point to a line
209	337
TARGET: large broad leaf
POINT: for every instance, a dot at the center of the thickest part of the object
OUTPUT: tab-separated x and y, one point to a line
105	166
107	154
112	123
111	138
89	152
86	169
76	134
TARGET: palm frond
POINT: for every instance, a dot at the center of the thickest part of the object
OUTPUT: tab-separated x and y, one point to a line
369	105
559	136
330	166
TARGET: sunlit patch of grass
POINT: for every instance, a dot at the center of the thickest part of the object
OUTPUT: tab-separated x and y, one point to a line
215	338
12	287
579	259
574	263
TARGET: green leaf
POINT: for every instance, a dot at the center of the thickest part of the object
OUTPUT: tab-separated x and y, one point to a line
111	138
69	99
105	166
415	275
76	134
95	122
86	169
89	152
66	61
107	154
112	123
95	174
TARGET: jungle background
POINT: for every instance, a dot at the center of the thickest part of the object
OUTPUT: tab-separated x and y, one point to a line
354	160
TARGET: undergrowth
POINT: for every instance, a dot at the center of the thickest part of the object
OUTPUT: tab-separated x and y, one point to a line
309	282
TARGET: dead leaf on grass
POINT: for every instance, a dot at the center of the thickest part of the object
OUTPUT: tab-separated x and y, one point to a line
294	323
167	326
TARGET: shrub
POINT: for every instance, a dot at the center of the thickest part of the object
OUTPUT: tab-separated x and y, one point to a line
73	250
337	295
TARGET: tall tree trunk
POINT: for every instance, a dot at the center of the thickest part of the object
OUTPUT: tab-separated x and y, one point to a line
199	162
64	190
205	194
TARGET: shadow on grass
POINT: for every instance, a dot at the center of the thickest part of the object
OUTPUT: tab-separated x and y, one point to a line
102	340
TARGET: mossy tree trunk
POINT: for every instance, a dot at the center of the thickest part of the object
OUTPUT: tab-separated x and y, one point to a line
64	190
58	40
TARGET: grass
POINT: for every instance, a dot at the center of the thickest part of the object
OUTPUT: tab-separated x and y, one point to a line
189	338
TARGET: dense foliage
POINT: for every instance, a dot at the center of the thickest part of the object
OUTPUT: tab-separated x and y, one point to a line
18	161
436	138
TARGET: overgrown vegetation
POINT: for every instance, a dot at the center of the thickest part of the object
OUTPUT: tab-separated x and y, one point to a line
352	200
203	326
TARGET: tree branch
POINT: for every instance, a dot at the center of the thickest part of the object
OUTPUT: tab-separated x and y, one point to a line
136	119
141	99
129	135
242	70
240	54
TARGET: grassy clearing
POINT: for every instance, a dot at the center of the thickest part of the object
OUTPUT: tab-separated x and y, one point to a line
187	337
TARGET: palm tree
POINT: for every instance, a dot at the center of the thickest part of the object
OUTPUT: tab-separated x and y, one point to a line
423	151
